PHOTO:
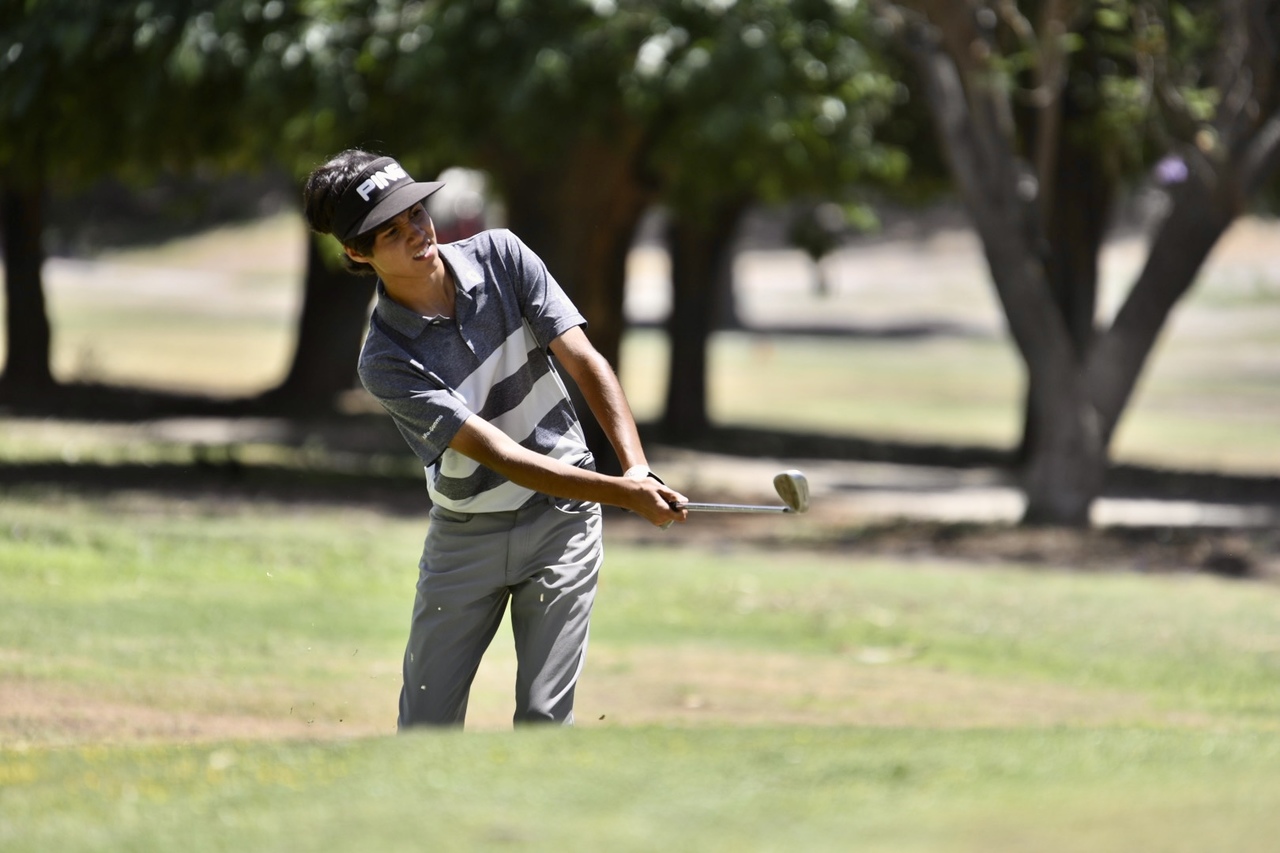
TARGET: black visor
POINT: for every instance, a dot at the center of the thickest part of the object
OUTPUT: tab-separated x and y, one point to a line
381	191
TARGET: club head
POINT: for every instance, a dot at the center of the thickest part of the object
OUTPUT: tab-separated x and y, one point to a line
793	488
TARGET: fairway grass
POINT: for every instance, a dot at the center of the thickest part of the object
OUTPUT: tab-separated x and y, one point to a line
659	789
182	673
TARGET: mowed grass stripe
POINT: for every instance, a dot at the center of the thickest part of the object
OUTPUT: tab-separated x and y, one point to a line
756	788
198	675
279	612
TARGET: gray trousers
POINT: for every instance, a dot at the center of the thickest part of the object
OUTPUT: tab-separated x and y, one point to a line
544	558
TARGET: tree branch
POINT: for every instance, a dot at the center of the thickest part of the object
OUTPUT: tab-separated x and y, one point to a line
1201	212
1051	77
1262	158
1244	158
994	185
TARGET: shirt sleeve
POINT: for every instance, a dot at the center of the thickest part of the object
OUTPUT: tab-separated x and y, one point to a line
428	413
544	304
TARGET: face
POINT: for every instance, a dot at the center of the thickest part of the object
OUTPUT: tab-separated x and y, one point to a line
405	246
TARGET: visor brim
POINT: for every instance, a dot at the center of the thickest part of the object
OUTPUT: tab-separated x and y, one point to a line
390	206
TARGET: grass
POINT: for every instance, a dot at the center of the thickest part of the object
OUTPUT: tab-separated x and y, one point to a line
1202	404
1186	643
214	312
218	676
202	674
186	597
763	789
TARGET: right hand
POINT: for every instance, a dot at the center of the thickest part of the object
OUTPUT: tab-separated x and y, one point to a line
656	502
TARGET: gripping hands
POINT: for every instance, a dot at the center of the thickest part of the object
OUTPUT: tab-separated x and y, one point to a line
654	499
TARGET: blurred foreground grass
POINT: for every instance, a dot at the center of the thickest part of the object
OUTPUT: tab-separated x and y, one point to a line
200	675
642	790
215	314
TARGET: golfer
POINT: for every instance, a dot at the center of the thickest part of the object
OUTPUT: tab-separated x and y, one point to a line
459	354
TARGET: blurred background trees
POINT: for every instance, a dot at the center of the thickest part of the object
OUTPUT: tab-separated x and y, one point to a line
132	90
1048	111
588	114
585	115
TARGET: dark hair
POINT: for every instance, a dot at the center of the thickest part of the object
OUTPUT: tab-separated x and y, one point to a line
320	196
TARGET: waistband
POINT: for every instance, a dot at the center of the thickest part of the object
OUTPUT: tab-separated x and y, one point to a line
537	502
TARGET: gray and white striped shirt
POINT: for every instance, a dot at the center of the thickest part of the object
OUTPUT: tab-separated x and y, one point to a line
491	360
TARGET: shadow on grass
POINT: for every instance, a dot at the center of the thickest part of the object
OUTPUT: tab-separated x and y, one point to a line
216	467
1123	481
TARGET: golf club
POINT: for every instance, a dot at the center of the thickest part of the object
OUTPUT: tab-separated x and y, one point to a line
792	487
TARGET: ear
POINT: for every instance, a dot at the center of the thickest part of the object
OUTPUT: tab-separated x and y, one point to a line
356	256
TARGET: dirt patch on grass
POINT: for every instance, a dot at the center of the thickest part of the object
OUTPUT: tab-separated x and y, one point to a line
866	687
52	714
683	686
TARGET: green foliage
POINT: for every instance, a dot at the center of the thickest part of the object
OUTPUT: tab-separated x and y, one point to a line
765	101
491	83
1149	76
1139	76
136	87
762	99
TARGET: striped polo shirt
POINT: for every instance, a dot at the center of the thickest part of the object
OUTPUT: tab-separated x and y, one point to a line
491	360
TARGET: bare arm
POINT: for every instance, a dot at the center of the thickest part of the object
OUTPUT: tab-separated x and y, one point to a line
491	447
602	391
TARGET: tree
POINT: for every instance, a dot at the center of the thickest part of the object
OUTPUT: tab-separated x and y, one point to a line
1044	111
314	102
127	88
385	74
329	326
541	109
39	61
586	114
798	119
26	370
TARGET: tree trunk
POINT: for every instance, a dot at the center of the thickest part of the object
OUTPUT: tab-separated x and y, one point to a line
699	253
1075	227
1063	455
335	308
1065	464
1075	230
580	217
1080	381
1196	220
26	370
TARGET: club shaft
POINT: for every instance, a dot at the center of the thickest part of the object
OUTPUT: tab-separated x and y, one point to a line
700	507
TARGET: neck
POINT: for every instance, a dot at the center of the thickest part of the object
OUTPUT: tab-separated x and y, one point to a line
430	296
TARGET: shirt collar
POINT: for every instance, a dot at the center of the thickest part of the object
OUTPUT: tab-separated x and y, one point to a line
467	275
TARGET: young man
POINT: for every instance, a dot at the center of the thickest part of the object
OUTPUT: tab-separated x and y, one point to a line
457	353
